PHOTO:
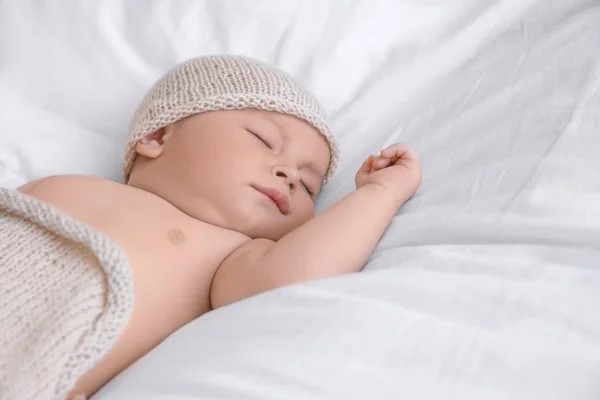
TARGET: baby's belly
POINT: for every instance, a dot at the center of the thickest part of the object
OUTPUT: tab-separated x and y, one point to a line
156	314
169	292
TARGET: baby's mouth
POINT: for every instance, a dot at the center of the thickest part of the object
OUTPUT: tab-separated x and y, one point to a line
281	200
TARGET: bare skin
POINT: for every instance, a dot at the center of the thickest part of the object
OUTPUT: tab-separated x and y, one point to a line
220	207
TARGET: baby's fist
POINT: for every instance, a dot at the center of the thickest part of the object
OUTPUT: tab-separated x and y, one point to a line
397	168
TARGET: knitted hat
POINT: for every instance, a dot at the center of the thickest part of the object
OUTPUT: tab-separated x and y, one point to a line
213	83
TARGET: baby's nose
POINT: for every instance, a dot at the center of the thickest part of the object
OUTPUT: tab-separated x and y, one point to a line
289	175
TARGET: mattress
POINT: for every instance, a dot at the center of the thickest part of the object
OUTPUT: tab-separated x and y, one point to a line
487	283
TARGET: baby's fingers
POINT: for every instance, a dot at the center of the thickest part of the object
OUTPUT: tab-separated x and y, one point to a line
380	163
400	151
395	150
367	165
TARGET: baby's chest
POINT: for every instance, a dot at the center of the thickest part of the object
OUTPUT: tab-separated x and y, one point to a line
173	252
173	263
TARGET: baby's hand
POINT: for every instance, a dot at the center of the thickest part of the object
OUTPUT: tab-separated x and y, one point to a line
396	168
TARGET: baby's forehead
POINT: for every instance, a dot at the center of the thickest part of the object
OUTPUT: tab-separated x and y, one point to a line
293	128
289	126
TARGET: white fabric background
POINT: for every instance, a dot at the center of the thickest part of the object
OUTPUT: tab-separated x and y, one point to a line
486	285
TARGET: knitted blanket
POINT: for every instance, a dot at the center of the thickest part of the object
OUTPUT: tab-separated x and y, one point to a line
66	292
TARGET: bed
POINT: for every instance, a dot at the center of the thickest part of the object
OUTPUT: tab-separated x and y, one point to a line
487	283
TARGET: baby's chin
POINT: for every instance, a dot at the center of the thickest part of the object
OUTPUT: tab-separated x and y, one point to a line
265	228
256	220
252	223
259	224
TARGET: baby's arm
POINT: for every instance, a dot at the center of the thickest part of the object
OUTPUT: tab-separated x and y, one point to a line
335	242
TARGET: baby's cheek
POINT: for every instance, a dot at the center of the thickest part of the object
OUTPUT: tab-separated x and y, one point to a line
306	212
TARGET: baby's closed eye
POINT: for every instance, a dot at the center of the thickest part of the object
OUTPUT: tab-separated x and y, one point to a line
262	138
307	188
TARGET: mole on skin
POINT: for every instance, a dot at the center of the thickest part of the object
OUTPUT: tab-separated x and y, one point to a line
176	236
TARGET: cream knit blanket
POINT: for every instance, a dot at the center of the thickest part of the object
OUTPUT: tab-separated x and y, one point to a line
66	291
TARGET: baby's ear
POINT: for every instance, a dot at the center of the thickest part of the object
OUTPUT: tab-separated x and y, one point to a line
153	144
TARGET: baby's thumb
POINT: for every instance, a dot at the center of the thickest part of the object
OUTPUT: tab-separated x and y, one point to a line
79	397
366	166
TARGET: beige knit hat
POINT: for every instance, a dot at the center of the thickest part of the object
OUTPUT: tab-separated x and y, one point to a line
223	83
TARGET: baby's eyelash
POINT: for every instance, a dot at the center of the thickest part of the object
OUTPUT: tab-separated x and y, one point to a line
310	192
261	139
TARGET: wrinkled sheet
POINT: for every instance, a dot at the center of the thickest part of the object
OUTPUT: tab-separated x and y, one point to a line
487	283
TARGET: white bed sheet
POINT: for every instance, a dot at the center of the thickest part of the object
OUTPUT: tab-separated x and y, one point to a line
486	285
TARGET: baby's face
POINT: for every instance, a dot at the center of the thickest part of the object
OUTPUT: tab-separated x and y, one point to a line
255	172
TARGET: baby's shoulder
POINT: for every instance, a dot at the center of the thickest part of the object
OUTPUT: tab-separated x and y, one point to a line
58	186
61	180
72	194
84	197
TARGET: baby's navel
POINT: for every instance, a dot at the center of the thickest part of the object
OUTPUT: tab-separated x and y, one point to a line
176	236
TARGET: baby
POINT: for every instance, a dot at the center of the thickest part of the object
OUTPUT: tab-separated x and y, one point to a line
225	159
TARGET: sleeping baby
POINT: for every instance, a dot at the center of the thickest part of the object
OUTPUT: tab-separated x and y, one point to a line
225	159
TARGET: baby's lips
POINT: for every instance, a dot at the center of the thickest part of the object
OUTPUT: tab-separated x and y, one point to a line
281	200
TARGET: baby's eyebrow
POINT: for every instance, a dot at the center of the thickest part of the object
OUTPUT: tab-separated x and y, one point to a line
277	126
